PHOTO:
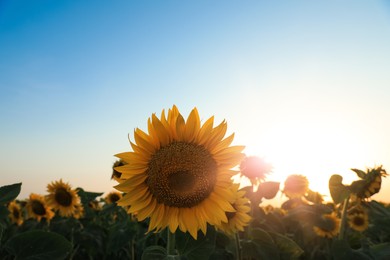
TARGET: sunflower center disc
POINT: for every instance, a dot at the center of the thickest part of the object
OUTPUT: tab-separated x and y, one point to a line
181	174
63	197
16	213
358	221
38	208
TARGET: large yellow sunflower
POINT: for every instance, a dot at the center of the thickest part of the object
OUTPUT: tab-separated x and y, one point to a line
37	207
296	186
15	213
179	173
329	226
62	197
239	219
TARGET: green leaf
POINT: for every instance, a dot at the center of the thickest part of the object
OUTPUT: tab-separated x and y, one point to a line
119	235
269	189
87	196
9	192
154	252
338	191
341	250
287	248
200	248
265	246
381	251
361	174
4	212
36	245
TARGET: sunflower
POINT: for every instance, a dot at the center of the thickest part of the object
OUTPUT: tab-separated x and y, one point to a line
179	173
255	169
370	182
358	218
239	219
296	186
16	214
37	207
112	197
62	197
327	226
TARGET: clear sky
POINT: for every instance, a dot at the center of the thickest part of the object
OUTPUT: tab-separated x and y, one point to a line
305	84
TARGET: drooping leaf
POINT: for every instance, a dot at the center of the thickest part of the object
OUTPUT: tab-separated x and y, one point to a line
338	191
9	192
192	249
87	196
287	248
381	251
154	252
265	246
341	250
38	245
269	189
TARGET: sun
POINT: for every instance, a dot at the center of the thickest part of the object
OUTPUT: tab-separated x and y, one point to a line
311	149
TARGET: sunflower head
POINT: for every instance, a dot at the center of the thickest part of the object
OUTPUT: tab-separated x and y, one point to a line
255	169
16	213
180	170
37	207
62	197
296	186
370	182
237	220
357	218
113	197
327	226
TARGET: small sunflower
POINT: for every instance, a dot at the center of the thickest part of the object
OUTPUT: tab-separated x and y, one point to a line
239	219
179	173
112	197
16	214
268	209
62	197
328	226
358	218
296	186
255	169
38	208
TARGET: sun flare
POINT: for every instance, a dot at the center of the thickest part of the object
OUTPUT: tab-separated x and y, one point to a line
312	150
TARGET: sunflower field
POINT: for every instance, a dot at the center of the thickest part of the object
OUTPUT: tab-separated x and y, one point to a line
176	199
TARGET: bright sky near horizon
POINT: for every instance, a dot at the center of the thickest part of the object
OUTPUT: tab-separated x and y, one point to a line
304	84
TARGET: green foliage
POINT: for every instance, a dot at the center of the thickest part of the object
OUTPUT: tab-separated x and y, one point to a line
38	245
200	248
9	192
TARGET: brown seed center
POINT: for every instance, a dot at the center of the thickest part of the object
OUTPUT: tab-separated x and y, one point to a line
181	174
38	208
63	197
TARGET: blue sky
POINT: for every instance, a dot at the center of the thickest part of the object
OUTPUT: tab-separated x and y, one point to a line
306	84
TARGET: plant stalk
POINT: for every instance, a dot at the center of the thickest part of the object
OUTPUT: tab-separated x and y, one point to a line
238	247
343	219
171	243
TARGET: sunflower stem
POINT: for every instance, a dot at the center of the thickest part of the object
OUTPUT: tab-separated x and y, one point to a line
171	243
238	247
343	219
